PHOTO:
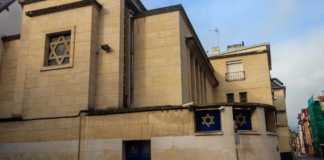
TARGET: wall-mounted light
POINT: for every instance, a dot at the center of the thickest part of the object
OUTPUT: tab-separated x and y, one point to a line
104	47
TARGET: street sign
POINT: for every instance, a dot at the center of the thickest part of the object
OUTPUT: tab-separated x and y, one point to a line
235	127
237	138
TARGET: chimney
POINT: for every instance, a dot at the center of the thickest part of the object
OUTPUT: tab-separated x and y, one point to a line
215	50
235	46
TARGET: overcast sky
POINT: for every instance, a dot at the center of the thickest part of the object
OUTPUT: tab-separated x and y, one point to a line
294	28
10	22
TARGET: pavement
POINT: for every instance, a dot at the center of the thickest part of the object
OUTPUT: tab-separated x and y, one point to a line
303	157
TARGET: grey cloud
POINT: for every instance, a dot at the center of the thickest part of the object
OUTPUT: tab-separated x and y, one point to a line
299	64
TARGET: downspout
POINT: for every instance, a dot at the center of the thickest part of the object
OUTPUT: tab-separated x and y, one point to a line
79	137
80	115
132	63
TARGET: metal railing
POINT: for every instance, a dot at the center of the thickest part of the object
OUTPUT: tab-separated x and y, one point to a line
235	76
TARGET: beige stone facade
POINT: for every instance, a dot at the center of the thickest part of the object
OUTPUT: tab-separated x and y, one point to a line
81	109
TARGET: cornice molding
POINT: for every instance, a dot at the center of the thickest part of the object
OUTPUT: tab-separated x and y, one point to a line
24	2
11	38
64	7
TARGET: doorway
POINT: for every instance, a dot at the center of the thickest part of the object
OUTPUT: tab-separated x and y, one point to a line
138	150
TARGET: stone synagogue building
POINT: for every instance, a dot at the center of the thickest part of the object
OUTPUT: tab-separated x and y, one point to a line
109	79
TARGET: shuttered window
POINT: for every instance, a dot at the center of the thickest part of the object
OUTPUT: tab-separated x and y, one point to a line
235	66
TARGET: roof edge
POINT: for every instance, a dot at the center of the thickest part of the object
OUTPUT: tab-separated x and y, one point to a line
64	7
185	17
239	49
142	5
211	76
25	2
11	37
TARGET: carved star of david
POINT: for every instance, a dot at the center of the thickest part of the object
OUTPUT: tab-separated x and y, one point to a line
211	120
53	45
238	119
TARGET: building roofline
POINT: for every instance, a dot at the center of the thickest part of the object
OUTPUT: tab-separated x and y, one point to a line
142	5
6	5
268	51
64	7
276	79
24	2
240	49
184	15
11	37
202	60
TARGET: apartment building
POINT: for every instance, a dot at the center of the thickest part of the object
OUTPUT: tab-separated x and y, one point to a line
279	101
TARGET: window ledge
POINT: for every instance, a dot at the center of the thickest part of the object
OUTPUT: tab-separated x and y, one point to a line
272	134
208	133
48	68
235	80
248	133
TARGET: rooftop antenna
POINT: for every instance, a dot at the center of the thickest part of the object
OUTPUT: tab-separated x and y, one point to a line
217	32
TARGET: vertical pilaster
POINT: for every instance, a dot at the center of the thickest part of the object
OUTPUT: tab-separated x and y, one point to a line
193	79
198	83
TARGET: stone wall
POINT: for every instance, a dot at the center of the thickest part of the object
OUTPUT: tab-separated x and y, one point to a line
110	30
8	71
157	75
256	82
171	132
62	92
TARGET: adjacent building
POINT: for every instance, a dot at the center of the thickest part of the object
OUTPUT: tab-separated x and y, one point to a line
279	101
109	79
315	117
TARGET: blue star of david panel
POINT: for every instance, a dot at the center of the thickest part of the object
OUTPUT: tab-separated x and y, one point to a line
246	125
213	120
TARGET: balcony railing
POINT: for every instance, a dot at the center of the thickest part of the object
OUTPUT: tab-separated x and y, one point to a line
235	76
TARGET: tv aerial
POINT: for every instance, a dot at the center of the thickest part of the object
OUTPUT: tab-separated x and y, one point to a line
217	32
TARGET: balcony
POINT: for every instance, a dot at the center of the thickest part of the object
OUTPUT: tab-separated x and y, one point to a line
235	76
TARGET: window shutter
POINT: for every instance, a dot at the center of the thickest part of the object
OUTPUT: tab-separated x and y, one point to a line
234	67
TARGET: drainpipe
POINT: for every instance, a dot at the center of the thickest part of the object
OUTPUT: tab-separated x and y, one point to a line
132	63
80	115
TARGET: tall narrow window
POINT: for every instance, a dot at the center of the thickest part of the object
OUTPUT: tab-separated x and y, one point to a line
243	97
230	97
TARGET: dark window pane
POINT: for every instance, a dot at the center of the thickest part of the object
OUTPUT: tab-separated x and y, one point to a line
52	62
67	37
132	149
230	97
60	49
146	148
54	39
243	97
66	60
